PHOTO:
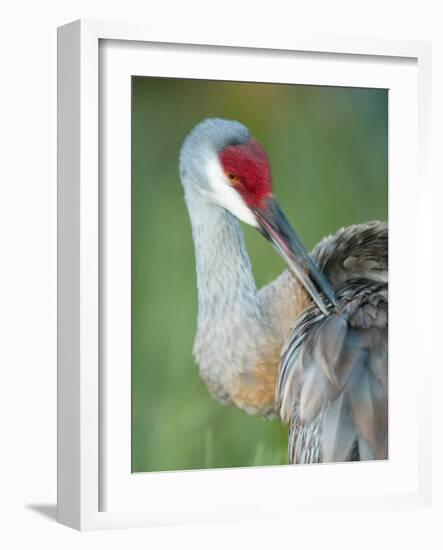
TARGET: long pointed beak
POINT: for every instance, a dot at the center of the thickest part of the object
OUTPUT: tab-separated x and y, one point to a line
276	228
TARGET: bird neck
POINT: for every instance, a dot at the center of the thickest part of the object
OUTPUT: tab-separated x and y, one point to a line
226	286
236	347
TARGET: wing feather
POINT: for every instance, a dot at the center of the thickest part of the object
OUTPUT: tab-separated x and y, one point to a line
333	376
338	431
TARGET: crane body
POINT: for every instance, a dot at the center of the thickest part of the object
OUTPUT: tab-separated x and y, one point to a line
311	346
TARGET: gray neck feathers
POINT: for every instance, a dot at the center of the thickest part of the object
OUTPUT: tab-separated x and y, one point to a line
229	316
226	285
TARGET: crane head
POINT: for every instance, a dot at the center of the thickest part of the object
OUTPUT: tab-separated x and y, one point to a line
221	163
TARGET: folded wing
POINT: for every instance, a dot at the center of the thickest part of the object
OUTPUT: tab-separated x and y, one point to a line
333	380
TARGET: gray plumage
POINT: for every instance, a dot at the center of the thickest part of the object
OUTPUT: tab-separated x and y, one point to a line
331	384
333	378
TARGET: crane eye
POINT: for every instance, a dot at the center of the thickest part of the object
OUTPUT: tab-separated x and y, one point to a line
234	179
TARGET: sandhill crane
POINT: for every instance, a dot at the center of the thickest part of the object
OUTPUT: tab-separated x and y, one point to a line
310	347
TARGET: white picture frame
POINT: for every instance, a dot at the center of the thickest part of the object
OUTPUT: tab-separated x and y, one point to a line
95	492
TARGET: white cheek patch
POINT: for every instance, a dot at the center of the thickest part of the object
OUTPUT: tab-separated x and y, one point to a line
226	196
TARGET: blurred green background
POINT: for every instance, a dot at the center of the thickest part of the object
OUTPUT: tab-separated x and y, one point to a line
329	153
